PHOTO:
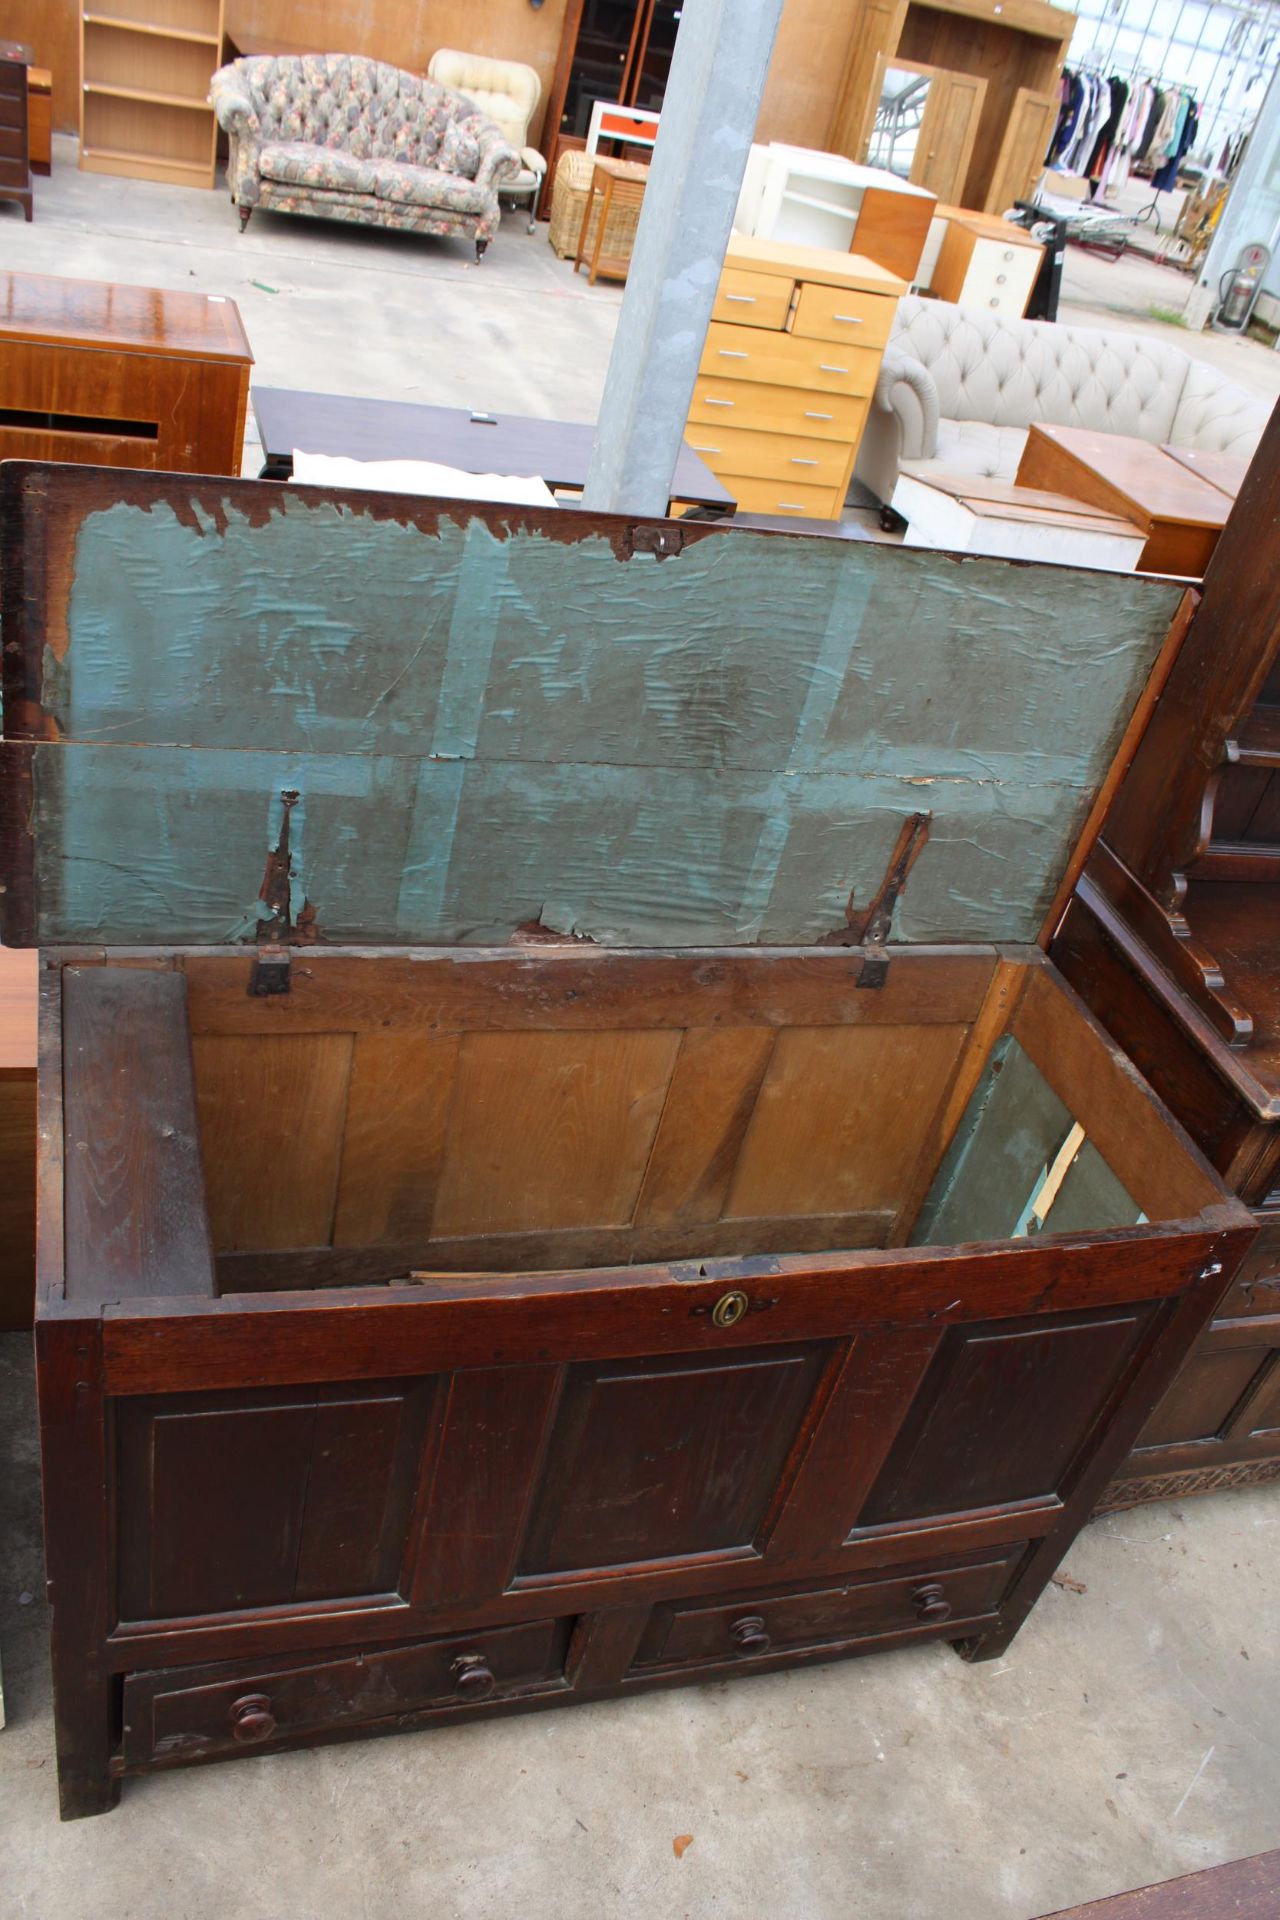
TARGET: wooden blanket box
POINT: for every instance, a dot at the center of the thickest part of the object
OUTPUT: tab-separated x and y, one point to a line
563	1169
1173	939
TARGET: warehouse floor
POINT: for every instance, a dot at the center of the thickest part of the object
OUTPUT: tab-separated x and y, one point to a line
1130	1734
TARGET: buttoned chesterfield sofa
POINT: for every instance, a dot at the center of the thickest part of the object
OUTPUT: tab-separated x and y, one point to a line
346	138
958	390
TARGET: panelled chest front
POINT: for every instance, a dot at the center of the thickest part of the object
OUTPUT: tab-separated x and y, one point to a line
565	1169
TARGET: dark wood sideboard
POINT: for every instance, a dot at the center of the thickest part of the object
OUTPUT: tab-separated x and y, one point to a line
15	139
566	1169
121	376
1173	939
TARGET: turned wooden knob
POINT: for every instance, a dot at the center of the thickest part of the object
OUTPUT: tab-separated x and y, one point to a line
932	1604
252	1718
472	1678
749	1635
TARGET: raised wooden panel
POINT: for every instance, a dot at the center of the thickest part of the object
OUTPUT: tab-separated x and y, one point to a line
1003	1413
393	1147
1202	1399
256	1499
551	1129
1026	140
272	1110
663	1459
840	1118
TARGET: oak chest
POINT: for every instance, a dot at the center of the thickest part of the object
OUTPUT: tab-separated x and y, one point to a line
563	1167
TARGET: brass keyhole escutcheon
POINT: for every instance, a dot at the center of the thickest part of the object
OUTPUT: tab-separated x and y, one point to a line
729	1309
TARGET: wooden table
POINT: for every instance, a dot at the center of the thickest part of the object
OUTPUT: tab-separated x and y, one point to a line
1226	471
1180	513
557	451
17	1137
619	185
121	376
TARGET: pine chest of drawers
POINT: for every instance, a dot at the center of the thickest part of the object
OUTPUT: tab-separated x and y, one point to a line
790	364
564	1169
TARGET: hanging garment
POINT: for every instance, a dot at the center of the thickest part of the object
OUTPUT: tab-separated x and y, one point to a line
1164	133
1167	178
1154	112
1117	95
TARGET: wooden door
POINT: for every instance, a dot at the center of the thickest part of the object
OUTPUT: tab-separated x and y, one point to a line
948	133
1022	150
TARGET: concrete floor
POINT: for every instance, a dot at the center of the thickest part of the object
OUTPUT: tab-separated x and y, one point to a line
1130	1734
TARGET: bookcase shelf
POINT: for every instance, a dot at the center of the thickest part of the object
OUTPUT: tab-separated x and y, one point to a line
145	68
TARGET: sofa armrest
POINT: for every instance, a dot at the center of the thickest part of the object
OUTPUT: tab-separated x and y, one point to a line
232	106
907	388
499	160
533	160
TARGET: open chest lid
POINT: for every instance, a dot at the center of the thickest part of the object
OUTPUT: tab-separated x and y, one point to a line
236	710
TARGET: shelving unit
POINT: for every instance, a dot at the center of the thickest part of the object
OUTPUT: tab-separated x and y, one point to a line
145	67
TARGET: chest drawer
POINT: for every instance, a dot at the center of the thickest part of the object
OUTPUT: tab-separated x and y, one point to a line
1000	278
780	359
791	498
854	319
753	299
827	1616
207	1712
772	456
791	410
13	144
1256	1288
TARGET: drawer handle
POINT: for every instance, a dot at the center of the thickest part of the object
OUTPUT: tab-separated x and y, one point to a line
850	319
720	403
252	1719
698	449
472	1678
825	366
994	301
744	299
931	1603
1008	253
730	353
1001	279
791	506
749	1635
796	461
818	416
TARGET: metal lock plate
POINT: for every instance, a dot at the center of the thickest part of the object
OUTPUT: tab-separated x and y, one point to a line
729	1309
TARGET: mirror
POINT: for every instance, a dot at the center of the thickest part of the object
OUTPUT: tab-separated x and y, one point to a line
904	94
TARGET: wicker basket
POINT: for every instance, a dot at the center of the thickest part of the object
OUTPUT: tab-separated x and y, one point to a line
569	195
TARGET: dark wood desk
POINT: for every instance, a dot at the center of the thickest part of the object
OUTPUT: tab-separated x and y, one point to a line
1180	513
15	152
557	451
17	1137
1242	1890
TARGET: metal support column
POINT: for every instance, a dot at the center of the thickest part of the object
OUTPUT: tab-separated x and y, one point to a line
709	113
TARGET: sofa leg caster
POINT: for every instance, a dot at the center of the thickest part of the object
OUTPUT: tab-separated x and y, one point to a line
480	247
245	216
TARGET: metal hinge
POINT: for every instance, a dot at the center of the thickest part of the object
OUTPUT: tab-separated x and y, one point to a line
659	541
269	973
868	927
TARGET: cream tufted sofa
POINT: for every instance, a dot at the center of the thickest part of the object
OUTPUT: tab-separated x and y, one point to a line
958	390
507	92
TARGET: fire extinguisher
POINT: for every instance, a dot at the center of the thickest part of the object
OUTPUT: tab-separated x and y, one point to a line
1240	287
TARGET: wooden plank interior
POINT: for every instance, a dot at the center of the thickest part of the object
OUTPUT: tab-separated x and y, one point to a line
135	1210
272	1112
1120	1114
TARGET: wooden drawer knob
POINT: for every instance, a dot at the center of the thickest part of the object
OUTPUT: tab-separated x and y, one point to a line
932	1604
749	1635
252	1719
472	1678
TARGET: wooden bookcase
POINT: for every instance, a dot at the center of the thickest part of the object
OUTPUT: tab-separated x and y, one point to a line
145	67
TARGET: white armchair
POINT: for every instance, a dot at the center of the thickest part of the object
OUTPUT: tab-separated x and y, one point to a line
506	92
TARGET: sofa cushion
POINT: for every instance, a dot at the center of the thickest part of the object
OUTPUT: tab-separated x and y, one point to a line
298	163
344	101
460	151
973	449
428	187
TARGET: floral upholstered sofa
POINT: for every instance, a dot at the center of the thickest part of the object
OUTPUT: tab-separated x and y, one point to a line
347	138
